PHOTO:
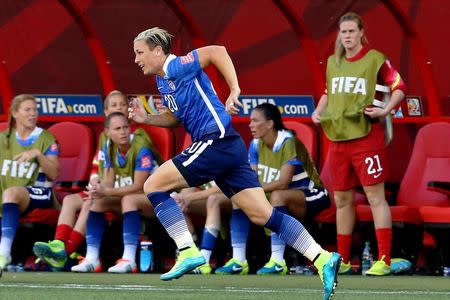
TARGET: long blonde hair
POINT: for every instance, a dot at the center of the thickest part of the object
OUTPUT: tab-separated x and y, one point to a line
339	49
15	104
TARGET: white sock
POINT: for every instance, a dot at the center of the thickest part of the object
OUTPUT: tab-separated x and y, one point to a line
239	252
313	250
129	253
5	246
206	254
92	253
278	252
185	240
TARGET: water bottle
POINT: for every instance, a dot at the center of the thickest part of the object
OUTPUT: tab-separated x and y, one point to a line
146	256
366	261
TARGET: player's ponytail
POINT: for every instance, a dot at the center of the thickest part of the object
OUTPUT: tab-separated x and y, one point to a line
339	50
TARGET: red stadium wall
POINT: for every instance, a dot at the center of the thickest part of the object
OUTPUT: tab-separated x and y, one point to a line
50	46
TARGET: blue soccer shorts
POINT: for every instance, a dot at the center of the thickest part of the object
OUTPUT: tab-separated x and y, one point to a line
223	160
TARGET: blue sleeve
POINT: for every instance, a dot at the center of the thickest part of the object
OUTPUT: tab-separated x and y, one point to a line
253	153
184	66
145	160
53	149
107	162
294	162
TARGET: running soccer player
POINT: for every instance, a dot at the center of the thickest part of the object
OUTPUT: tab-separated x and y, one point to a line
217	153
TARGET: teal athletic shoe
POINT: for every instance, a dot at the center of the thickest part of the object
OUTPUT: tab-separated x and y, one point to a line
400	265
187	261
53	253
233	267
328	264
273	267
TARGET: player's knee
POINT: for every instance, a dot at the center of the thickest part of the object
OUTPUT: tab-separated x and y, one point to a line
258	217
151	185
72	202
12	195
276	199
342	201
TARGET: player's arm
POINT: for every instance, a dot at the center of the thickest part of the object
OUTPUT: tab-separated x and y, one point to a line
286	173
200	195
323	101
49	165
48	161
135	188
219	57
391	78
138	113
94	177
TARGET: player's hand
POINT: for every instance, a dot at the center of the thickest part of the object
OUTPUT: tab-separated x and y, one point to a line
232	104
315	118
136	111
375	112
96	191
181	201
26	156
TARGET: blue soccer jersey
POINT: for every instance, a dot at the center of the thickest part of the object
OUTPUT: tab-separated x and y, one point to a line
188	93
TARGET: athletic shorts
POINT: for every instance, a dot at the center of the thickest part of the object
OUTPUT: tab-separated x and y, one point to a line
223	160
317	199
360	161
40	197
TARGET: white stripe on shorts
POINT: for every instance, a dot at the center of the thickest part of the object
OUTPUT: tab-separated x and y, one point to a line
316	196
197	153
40	197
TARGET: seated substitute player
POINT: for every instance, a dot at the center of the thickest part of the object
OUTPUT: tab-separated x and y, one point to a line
128	162
71	230
29	158
290	181
218	152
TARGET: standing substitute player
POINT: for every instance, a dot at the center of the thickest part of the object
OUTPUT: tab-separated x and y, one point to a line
351	122
217	153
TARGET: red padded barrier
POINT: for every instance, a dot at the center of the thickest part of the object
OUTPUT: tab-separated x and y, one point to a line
162	139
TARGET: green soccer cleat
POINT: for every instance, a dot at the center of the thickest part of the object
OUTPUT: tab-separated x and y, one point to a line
328	264
187	261
273	267
379	268
345	268
53	253
233	267
203	270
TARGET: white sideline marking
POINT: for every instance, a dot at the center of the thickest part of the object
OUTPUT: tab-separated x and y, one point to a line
206	289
